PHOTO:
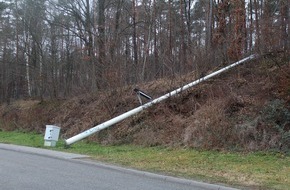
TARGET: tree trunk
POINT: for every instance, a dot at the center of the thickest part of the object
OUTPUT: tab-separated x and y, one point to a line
251	25
209	27
237	46
115	39
135	48
257	25
284	6
156	59
183	61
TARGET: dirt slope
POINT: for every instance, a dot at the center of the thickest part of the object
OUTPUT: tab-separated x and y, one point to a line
247	108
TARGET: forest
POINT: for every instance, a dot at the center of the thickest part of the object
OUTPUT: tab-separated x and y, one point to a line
53	49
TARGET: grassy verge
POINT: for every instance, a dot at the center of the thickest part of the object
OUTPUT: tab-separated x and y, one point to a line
254	170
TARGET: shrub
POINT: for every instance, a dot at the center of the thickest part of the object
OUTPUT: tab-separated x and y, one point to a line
210	128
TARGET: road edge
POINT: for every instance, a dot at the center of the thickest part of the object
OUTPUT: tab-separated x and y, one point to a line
84	159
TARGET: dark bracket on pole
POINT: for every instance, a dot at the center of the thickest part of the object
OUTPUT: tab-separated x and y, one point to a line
140	94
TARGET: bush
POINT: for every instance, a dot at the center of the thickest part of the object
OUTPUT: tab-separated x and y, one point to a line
277	116
269	130
210	128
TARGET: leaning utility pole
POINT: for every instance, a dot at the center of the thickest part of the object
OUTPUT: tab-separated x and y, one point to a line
151	103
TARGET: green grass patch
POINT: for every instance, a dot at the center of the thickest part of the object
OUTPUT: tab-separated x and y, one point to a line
262	170
21	138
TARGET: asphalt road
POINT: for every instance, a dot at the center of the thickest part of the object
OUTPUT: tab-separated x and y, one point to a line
37	169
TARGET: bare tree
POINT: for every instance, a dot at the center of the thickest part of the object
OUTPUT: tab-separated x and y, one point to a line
238	37
101	41
61	48
135	48
285	27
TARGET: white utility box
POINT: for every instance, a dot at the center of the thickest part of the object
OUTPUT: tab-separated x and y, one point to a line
51	135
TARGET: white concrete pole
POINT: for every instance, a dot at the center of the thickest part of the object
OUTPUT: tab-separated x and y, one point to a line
155	101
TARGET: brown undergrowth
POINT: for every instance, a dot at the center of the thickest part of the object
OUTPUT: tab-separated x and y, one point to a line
246	108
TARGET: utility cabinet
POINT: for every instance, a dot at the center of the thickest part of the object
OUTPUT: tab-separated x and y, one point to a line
51	135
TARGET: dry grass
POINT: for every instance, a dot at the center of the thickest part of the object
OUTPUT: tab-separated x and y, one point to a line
222	113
